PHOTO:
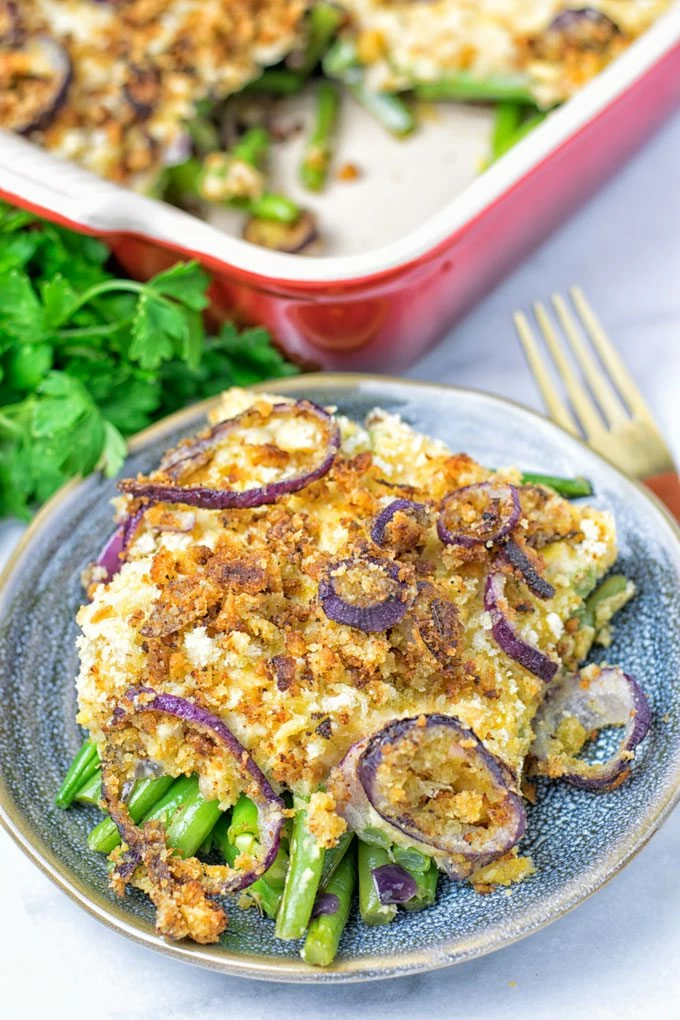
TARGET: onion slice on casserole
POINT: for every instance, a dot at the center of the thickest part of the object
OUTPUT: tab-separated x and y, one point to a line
579	705
428	782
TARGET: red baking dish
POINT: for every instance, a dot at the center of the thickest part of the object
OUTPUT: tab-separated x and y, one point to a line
422	237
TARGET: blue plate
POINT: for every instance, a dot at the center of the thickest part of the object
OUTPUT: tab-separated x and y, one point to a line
578	840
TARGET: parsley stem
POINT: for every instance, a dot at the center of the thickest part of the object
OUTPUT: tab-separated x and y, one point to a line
17	410
9	426
81	332
105	287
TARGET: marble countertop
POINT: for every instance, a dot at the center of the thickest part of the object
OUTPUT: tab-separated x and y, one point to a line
615	955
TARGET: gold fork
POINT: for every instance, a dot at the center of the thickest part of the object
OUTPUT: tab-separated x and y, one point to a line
610	412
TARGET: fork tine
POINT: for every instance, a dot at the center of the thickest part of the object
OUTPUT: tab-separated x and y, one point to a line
580	401
558	411
610	405
610	359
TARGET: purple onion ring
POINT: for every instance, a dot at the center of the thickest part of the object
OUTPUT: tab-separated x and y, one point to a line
492	520
200	450
506	635
519	559
270	807
11	28
44	53
366	774
111	555
610	698
571	22
384	518
373	617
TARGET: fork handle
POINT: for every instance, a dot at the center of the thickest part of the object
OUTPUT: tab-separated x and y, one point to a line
667	488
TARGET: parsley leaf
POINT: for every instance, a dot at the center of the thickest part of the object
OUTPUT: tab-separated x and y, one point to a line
22	317
156	328
186	282
88	358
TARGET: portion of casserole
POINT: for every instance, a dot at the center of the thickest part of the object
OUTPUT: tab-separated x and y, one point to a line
559	45
115	86
349	614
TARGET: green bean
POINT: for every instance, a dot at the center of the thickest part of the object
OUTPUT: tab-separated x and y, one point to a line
83	767
411	859
206	846
319	148
302	879
389	109
151	799
271	206
614	589
465	86
372	910
341	59
253	146
524	129
277	81
323	24
244	827
333	857
507	119
323	936
191	823
427	887
185	179
267	890
91	791
204	135
570	488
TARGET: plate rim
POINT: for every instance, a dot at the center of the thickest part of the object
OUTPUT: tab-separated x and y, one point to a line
355	969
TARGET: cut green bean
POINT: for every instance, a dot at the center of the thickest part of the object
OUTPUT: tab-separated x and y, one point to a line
271	206
372	910
319	148
340	59
277	82
570	488
184	180
388	108
83	767
267	897
427	887
302	880
151	799
524	129
91	791
333	857
323	936
204	135
323	23
464	86
609	596
206	846
244	827
411	859
191	823
253	146
267	891
507	119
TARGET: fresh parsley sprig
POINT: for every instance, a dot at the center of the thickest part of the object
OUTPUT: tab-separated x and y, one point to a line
88	358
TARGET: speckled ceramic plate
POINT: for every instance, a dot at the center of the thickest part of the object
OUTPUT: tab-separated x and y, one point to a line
577	840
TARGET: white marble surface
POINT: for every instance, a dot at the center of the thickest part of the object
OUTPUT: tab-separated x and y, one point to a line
617	956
